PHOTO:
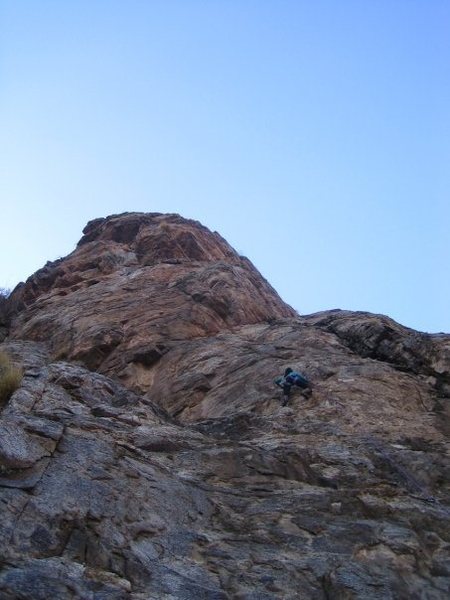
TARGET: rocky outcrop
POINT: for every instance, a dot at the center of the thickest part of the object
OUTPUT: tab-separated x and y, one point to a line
381	338
161	465
135	286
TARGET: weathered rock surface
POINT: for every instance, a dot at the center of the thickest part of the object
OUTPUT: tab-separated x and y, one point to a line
135	286
146	454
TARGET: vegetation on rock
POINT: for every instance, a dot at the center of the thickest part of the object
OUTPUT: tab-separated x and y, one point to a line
10	378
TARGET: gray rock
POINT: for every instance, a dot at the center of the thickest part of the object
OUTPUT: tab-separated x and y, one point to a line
176	473
18	450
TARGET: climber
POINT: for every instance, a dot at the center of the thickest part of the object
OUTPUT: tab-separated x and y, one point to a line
289	379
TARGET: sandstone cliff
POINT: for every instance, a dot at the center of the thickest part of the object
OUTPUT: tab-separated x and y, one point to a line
146	454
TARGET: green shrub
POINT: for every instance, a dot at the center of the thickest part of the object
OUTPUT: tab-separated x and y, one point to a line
10	378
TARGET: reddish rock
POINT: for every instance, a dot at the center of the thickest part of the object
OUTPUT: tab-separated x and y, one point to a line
136	285
187	479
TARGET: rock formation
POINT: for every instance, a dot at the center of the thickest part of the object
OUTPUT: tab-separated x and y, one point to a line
146	454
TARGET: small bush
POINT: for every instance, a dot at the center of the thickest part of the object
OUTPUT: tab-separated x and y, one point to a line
10	378
4	295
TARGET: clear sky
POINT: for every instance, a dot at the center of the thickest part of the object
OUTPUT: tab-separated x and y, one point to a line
314	135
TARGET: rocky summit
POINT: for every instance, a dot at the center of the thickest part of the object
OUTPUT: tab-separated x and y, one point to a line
146	454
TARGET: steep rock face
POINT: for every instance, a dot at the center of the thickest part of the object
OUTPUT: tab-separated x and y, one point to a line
379	337
136	285
179	475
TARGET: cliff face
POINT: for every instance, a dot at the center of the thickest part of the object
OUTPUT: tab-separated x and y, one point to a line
146	454
136	286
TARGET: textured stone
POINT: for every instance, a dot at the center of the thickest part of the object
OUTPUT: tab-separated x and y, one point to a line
155	460
134	287
17	449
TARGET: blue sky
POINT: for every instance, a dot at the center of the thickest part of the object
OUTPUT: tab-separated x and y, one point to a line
313	135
